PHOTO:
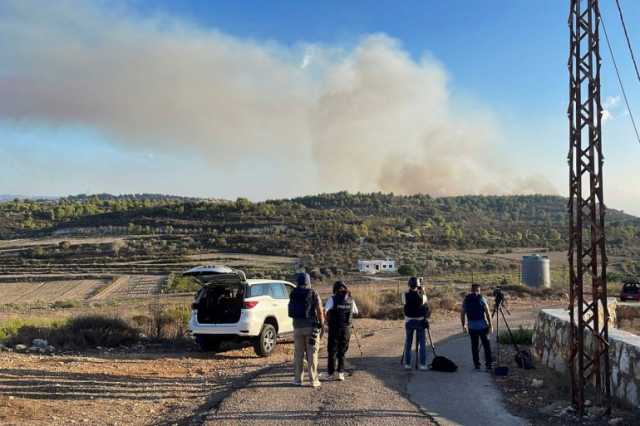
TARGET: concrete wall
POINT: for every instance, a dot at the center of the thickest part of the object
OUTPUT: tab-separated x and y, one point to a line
551	342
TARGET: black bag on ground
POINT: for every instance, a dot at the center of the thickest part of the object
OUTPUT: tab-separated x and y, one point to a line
524	359
441	363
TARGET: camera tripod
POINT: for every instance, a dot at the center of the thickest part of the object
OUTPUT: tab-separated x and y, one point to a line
498	310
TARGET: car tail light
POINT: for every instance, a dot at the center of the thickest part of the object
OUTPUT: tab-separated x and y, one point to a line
250	305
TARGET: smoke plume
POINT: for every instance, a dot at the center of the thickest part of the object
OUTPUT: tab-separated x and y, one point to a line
364	118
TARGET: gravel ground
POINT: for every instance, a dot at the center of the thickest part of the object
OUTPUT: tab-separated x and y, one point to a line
374	392
122	389
232	387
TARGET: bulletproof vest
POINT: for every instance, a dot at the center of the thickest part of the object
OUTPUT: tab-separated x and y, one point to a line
342	311
413	305
301	304
474	307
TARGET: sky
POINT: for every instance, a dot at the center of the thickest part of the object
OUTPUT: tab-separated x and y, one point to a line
283	98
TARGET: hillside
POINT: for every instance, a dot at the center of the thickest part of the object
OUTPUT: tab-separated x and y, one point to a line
327	229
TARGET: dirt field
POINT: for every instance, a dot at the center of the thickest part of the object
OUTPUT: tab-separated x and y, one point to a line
49	291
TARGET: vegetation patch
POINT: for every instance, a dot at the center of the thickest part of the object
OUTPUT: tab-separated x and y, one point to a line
521	336
76	333
177	283
376	303
66	304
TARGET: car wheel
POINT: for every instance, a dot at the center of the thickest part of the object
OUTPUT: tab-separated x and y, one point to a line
266	341
208	343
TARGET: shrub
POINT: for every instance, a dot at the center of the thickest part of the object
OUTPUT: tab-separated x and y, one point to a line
407	270
166	322
521	336
79	332
9	328
447	302
65	304
179	284
374	303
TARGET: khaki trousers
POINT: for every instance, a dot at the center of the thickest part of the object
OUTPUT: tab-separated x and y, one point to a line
306	344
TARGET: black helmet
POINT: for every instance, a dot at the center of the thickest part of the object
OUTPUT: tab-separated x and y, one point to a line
413	282
338	285
303	279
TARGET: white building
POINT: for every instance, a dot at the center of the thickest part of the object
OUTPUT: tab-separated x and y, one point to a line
375	266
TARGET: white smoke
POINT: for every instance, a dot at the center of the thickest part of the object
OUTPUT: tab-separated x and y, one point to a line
368	118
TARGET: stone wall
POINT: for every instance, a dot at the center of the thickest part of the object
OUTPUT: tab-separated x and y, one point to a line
551	346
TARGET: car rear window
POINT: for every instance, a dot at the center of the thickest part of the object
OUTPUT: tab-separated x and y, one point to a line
260	290
278	291
631	288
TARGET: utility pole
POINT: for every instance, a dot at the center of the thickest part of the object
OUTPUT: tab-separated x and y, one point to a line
589	357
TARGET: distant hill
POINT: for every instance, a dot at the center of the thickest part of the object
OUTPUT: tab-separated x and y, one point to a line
9	197
338	226
465	221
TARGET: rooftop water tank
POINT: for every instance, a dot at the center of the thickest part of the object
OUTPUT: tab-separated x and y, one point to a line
536	271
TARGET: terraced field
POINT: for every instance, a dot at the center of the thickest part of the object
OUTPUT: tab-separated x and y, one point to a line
86	270
49	291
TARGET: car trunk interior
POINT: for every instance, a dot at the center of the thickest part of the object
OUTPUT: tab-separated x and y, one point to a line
220	303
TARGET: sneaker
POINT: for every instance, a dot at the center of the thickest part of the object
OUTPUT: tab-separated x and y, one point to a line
407	367
341	377
326	376
316	384
298	383
477	366
423	368
488	367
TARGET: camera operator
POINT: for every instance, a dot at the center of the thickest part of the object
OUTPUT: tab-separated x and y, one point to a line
416	313
475	308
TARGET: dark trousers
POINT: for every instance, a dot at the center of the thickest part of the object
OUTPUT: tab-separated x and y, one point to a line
337	346
476	336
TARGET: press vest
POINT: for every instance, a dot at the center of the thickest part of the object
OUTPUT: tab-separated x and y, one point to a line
474	307
342	311
414	306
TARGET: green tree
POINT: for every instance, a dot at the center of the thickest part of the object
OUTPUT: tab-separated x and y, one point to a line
407	270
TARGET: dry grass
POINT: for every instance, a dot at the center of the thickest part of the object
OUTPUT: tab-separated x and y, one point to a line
375	303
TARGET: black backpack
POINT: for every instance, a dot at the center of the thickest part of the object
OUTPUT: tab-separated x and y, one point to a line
301	304
441	363
524	359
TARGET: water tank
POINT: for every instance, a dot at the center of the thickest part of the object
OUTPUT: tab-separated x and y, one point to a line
536	271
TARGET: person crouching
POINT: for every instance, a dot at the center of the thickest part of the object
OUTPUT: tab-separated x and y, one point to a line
339	310
415	313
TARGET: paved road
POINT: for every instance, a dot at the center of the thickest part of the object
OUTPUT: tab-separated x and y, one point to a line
467	397
377	391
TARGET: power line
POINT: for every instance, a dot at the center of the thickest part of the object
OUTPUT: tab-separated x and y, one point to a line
626	35
624	93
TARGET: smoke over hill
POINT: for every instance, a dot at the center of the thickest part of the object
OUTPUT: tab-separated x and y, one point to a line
368	117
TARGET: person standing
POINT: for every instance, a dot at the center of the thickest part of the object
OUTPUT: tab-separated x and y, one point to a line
308	318
339	310
416	312
475	309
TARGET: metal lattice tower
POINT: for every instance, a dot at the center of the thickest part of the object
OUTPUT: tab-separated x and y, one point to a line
589	357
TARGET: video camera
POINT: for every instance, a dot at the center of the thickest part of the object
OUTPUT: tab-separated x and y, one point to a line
499	300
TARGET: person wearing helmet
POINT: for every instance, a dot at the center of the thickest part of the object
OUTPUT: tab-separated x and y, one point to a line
415	314
339	311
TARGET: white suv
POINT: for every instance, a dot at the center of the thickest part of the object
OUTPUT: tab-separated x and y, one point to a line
229	306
